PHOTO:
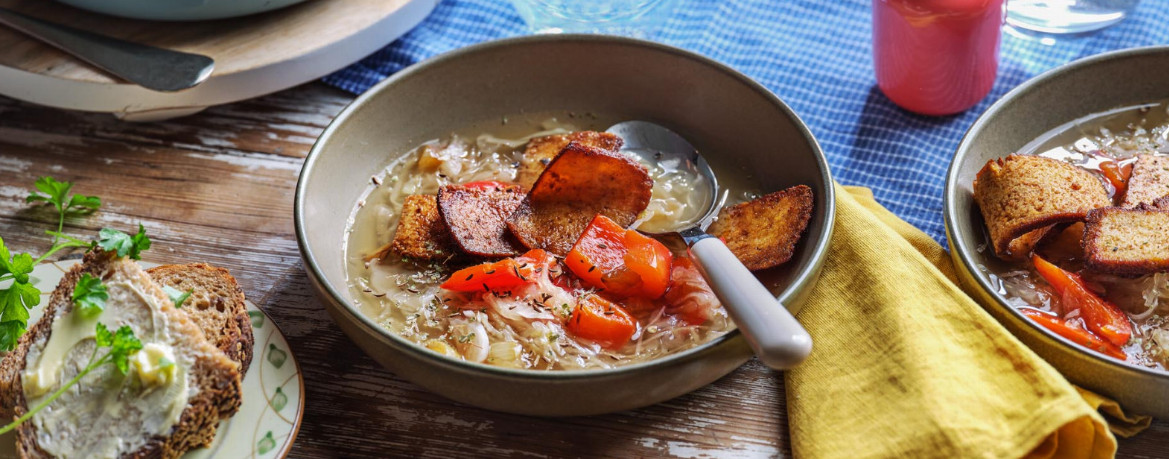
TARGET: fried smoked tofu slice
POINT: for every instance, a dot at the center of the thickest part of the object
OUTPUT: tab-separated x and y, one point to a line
542	150
1020	194
763	232
581	182
1149	180
477	217
1129	242
421	232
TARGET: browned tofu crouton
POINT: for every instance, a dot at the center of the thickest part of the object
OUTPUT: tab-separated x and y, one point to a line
1149	180
580	183
542	150
1128	242
1019	194
763	232
421	232
477	217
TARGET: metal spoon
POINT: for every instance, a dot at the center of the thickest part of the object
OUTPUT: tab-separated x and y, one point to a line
147	66
777	338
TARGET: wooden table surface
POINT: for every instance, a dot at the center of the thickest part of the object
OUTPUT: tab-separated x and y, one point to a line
218	187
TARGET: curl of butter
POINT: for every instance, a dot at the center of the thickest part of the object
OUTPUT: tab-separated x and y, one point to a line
154	364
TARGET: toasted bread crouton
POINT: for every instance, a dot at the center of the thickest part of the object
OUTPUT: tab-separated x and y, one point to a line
1129	242
1149	180
421	232
763	232
1019	194
124	425
580	183
216	305
477	218
542	150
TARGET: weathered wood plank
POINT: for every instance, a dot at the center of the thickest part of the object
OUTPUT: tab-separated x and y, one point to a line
217	187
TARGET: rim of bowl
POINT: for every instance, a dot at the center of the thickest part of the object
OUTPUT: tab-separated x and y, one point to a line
958	243
801	280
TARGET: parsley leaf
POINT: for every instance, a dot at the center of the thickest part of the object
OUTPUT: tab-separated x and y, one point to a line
57	194
90	295
17	298
177	296
124	244
10	332
122	345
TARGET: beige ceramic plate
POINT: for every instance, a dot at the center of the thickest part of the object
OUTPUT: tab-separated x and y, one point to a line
269	418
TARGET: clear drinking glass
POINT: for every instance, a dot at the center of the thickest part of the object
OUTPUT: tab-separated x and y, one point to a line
1066	16
639	18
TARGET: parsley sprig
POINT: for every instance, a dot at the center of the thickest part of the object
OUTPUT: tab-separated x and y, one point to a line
20	295
121	345
57	194
124	244
17	298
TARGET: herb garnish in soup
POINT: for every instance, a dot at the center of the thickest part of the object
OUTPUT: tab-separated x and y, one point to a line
519	248
1080	218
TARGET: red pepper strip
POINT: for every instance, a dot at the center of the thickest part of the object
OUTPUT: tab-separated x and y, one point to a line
1074	334
602	321
1101	317
1117	174
498	276
620	262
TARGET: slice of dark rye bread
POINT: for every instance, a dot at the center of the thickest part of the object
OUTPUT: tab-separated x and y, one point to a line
216	305
217	377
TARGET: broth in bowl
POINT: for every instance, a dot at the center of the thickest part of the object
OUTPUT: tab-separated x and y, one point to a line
495	299
1080	219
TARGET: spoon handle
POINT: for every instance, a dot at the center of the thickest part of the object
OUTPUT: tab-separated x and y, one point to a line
777	338
147	66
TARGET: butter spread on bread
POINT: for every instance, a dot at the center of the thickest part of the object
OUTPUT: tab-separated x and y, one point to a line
178	387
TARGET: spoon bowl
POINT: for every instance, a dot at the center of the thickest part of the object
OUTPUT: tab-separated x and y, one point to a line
773	333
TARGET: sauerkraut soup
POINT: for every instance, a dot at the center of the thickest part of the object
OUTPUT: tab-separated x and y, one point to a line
543	322
1122	315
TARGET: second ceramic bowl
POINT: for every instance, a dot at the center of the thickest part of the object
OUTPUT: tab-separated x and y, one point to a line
740	125
1050	100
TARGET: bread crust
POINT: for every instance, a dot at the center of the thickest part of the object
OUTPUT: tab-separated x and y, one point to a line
218	377
1127	242
1019	194
218	307
763	232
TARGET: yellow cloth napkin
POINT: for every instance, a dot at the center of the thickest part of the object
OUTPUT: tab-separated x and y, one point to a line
907	365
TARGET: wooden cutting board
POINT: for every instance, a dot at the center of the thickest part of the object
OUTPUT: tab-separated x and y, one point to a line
254	55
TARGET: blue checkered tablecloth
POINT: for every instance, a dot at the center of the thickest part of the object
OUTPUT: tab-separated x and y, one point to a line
816	55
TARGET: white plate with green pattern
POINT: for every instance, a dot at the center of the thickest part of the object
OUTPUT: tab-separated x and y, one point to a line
273	389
